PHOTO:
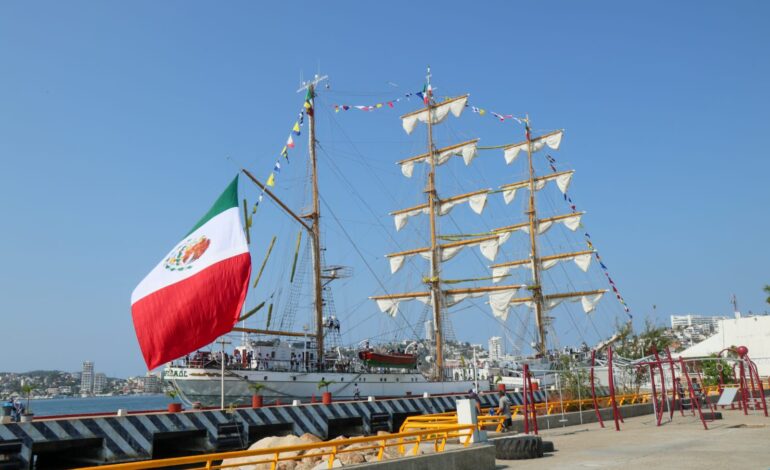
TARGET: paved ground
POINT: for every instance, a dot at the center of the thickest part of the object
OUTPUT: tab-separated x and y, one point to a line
737	441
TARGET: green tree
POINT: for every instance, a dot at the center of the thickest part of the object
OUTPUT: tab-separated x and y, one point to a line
767	291
633	346
573	381
712	370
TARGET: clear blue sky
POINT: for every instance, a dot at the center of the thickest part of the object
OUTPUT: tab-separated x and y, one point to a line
116	119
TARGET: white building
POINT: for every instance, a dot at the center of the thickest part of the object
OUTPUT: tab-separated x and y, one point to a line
752	332
429	330
100	382
495	347
87	378
702	321
151	383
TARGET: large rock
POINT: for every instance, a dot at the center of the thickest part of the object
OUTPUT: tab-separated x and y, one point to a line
242	463
352	458
325	464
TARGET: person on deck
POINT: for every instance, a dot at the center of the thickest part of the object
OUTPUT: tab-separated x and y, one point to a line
504	409
356	392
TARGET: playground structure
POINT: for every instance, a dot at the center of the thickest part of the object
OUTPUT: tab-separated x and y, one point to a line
672	382
751	395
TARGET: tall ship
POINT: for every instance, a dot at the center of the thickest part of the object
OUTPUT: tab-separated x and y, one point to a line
267	353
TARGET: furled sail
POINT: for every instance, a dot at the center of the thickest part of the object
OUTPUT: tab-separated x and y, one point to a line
571	221
402	217
552	140
581	258
477	201
438	113
588	300
562	180
488	245
389	303
500	302
467	150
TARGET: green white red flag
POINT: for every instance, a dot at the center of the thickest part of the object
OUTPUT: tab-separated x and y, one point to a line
195	294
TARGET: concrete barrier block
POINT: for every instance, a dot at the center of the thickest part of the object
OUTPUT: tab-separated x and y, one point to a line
474	457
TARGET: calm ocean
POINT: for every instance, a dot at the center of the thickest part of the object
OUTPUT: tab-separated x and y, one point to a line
65	406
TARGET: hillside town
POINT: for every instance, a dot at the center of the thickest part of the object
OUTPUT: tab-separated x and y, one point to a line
86	383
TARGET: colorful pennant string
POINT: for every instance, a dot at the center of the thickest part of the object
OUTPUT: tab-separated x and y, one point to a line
425	95
381	105
605	270
307	107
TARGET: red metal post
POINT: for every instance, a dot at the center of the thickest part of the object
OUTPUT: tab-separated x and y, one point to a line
524	400
743	383
752	398
611	380
531	399
662	385
593	390
694	402
675	392
755	371
656	407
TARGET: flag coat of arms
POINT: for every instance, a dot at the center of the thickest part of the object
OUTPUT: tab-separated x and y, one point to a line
195	294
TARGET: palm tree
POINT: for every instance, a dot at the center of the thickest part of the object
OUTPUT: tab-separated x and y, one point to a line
256	387
325	384
767	291
27	390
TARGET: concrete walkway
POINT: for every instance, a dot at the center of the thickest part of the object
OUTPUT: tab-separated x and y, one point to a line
737	441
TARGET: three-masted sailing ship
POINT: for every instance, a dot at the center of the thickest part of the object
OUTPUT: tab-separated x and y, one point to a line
291	364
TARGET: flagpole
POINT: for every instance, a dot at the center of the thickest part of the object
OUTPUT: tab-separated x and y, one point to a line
222	341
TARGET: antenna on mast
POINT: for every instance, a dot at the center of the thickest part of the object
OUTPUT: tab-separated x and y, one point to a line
318	78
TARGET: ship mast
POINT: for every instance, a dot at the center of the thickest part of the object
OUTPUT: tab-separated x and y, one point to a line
537	291
314	228
501	297
435	283
315	218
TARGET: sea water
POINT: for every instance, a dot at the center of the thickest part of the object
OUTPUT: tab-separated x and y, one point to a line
68	406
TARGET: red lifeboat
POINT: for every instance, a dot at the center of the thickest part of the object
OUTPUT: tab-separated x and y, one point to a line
390	359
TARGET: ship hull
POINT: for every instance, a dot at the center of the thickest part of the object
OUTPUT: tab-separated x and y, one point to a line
204	385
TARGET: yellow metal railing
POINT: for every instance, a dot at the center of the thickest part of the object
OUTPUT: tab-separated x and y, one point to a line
495	422
439	434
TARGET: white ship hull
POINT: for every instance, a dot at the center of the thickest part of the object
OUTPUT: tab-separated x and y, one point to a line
203	385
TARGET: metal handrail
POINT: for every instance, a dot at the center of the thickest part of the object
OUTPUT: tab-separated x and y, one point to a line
439	435
425	422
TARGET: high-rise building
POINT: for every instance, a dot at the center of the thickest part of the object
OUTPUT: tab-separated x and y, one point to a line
428	330
100	382
87	378
151	383
495	347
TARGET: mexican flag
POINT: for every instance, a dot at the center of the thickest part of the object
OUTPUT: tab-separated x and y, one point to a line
195	294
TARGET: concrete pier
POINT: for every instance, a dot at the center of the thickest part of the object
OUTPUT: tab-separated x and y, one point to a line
82	441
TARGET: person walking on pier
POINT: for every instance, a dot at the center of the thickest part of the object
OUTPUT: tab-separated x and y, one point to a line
504	408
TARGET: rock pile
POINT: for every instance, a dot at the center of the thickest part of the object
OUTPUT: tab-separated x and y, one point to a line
311	462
